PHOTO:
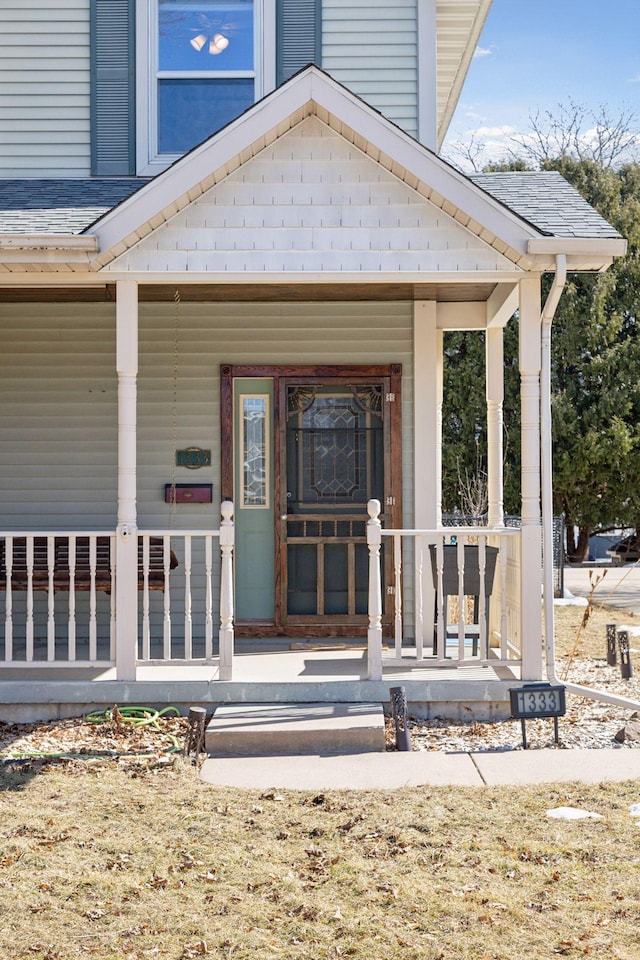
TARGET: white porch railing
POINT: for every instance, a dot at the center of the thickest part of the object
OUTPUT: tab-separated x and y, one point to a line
465	606
58	605
57	596
186	615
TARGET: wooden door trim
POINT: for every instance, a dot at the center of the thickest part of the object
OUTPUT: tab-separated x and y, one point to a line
309	373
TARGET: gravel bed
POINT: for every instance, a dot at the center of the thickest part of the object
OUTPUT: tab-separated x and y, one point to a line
588	724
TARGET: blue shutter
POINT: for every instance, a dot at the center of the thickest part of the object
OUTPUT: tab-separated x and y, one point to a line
299	36
112	87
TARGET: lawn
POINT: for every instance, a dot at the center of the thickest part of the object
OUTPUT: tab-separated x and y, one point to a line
106	859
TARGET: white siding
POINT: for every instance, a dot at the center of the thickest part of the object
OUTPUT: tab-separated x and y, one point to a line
371	47
311	202
44	88
58	433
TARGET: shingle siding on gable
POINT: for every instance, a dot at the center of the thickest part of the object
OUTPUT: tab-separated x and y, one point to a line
371	47
311	202
44	88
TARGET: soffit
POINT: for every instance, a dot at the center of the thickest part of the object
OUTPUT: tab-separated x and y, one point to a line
459	25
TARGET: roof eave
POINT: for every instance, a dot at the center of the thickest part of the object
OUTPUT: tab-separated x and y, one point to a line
463	68
592	247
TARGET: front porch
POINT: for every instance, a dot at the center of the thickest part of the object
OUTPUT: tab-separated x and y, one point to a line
265	671
278	301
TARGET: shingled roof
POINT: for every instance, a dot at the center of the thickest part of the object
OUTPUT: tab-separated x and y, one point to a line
41	207
548	202
60	206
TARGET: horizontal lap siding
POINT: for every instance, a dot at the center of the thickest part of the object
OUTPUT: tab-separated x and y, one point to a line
371	47
58	433
44	83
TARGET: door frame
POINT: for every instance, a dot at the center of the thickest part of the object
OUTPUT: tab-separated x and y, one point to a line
393	457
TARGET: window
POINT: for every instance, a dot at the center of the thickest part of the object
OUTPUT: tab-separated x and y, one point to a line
254	450
204	66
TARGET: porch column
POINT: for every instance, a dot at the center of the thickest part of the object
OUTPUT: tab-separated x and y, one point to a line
127	529
495	399
531	548
427	443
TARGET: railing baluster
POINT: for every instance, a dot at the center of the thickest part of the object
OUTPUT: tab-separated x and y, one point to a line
29	624
93	618
419	600
8	609
146	626
51	602
208	601
374	632
483	638
112	596
226	636
188	621
503	560
166	632
461	604
71	652
397	571
441	617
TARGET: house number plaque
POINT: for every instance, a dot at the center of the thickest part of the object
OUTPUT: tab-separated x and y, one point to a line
193	458
534	700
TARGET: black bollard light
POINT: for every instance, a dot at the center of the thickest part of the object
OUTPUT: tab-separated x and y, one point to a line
626	671
399	711
611	645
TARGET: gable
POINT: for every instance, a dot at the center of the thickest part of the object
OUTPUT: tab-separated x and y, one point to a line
311	202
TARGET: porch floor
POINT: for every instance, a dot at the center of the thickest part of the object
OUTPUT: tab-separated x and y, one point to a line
264	672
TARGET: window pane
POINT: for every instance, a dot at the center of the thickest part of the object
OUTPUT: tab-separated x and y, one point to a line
205	35
254	451
189	111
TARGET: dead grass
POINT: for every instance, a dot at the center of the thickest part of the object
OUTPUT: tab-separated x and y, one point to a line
588	641
97	859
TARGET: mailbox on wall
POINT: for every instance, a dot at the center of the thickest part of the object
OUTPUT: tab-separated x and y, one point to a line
188	493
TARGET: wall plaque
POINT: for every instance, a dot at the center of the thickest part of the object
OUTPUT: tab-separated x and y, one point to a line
193	457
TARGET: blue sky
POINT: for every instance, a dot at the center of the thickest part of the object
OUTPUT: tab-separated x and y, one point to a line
535	54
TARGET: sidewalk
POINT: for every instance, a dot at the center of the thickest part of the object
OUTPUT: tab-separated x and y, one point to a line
391	771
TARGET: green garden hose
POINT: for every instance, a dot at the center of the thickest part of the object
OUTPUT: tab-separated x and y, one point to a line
138	716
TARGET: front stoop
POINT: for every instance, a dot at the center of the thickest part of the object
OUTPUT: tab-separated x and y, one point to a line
253	730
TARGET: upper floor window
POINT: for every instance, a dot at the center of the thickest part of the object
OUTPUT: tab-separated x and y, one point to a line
200	64
205	72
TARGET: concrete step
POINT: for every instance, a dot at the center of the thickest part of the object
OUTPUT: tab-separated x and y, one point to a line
292	729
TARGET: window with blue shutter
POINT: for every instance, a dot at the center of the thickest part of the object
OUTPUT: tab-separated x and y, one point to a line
201	63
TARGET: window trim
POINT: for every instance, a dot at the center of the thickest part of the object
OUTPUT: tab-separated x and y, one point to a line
148	161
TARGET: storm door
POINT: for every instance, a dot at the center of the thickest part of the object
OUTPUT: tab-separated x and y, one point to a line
334	457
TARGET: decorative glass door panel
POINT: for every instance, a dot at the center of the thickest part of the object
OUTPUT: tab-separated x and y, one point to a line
335	462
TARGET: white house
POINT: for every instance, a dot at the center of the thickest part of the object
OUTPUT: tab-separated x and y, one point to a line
229	252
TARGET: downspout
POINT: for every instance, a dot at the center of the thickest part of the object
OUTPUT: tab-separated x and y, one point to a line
548	314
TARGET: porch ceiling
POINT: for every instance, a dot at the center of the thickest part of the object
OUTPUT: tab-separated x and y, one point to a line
259	292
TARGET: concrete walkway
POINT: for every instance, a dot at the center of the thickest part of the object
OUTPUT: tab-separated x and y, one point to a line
391	771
